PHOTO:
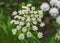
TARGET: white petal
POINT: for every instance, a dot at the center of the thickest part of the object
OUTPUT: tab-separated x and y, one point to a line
40	35
14	31
35	28
45	6
42	24
24	29
29	34
21	37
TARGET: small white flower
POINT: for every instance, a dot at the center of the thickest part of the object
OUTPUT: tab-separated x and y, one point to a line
28	25
16	22
33	8
22	18
40	35
40	15
40	11
32	15
42	24
29	5
28	9
18	27
19	17
21	23
26	12
35	28
58	4
53	2
29	34
54	12
36	15
39	19
31	12
45	7
20	12
14	31
16	16
34	22
58	19
35	12
14	13
33	18
24	29
21	36
12	21
28	19
25	15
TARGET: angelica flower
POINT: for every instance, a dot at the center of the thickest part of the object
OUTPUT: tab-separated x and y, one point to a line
42	24
32	15
16	16
28	25
18	27
53	2
58	4
40	35
33	8
31	12
24	29
21	36
12	21
36	15
45	7
29	34
40	12
26	20
54	12
14	13
35	28
34	22
16	22
29	5
39	19
21	23
22	18
33	18
14	31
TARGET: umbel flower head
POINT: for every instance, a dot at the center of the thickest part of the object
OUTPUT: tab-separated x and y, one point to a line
26	20
53	7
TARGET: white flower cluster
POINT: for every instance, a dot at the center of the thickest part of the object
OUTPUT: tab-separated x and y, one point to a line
53	7
26	20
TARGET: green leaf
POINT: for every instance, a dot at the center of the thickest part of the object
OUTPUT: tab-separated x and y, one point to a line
52	39
1	3
3	26
15	4
7	5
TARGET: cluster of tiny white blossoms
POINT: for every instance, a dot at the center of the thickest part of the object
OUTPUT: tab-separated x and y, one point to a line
53	7
26	20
